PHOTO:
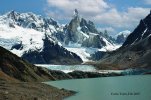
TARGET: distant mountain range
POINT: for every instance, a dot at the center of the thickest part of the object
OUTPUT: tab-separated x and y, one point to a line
44	41
135	52
122	36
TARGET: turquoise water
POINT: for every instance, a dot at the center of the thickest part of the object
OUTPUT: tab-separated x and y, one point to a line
137	87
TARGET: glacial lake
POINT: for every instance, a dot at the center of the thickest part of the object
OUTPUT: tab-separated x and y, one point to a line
69	68
136	87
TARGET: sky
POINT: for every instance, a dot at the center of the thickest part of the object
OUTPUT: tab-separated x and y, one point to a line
111	15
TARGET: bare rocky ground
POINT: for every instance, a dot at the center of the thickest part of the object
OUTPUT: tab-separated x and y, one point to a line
31	91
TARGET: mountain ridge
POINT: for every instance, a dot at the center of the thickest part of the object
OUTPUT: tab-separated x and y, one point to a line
141	31
135	52
28	31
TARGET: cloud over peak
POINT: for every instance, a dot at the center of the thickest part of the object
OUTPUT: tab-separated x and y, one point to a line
100	11
85	6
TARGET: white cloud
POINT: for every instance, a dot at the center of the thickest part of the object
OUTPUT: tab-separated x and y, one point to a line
98	11
148	2
126	19
87	8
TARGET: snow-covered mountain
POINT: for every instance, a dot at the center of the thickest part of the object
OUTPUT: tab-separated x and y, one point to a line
29	20
29	35
121	36
44	40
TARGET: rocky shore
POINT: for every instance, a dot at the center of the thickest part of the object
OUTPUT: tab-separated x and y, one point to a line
31	91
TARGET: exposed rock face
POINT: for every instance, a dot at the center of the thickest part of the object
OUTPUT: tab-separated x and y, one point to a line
87	27
52	54
83	32
135	52
94	41
71	33
17	46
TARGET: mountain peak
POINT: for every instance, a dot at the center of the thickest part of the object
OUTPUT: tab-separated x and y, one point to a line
76	13
12	14
12	11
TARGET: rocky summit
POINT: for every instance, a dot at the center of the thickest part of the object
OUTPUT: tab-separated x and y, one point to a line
83	32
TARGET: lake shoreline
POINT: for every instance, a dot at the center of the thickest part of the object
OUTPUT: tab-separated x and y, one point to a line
104	88
31	91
